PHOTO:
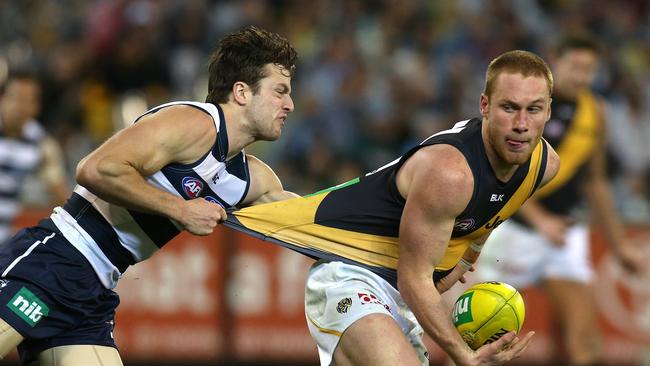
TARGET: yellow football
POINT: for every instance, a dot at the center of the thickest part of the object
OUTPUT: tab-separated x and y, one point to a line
486	311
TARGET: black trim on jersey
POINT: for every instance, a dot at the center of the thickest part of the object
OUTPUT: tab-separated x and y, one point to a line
244	174
100	230
237	166
159	229
220	151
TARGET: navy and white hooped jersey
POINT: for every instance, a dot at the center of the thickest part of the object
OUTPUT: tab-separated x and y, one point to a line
19	157
112	237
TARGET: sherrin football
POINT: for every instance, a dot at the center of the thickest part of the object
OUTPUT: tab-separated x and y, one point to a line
486	311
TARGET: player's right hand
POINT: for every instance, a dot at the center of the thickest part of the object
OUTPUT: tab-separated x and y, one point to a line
503	350
200	216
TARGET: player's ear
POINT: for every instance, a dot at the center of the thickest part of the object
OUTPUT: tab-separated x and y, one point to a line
483	104
239	92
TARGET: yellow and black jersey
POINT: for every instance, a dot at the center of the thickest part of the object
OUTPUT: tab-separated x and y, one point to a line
358	221
574	131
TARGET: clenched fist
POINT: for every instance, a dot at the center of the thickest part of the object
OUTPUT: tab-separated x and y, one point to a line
200	216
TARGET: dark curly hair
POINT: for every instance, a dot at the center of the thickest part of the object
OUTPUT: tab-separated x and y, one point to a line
242	56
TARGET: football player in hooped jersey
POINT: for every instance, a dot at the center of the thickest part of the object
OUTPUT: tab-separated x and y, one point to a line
176	168
380	238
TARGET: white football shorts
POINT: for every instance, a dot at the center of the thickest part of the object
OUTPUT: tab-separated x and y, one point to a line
338	294
521	257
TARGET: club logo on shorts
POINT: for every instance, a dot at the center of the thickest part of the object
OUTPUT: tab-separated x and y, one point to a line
365	298
192	187
344	305
28	306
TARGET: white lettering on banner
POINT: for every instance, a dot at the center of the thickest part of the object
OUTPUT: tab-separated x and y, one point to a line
249	289
292	271
173	281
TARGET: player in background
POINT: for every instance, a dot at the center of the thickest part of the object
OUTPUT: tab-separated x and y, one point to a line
176	168
26	151
548	241
391	241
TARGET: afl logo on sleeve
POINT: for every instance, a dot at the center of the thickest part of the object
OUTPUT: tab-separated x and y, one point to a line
192	187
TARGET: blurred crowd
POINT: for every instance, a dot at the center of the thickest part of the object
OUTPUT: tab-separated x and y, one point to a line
373	78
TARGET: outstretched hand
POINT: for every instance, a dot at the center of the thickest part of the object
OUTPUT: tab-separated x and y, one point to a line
503	350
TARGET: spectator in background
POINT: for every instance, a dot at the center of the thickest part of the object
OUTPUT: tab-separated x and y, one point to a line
547	242
628	127
26	151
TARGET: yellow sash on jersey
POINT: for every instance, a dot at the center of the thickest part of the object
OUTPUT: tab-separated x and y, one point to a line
292	221
578	144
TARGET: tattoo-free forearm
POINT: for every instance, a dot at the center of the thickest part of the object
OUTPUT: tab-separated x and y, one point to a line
123	185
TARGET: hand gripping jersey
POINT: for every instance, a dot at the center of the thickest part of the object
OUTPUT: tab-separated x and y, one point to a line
112	237
358	222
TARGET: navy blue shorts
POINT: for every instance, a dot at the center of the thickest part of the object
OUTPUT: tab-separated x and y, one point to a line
51	295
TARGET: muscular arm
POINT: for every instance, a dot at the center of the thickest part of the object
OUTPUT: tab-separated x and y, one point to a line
437	184
265	185
116	170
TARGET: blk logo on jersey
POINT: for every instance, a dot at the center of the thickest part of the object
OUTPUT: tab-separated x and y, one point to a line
496	198
28	307
192	187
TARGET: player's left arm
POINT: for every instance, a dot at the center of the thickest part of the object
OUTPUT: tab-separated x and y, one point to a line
265	185
598	193
52	171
